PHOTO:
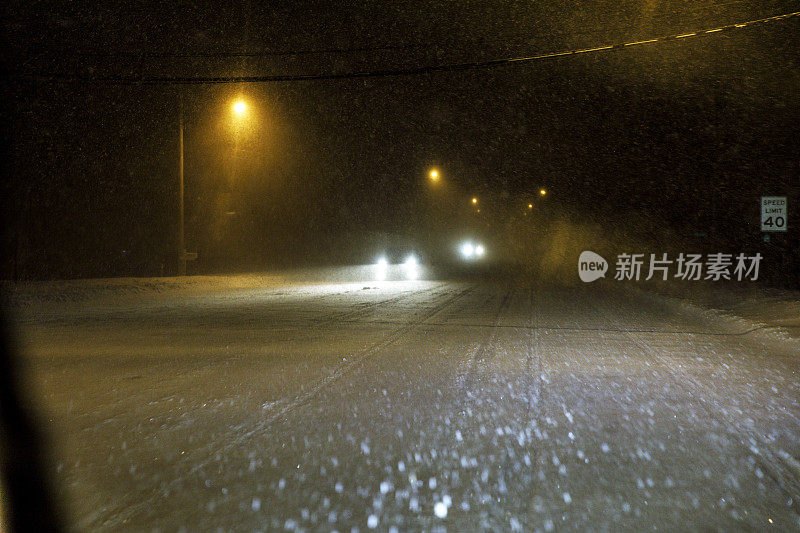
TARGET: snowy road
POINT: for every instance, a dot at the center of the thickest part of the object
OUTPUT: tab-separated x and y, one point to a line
414	404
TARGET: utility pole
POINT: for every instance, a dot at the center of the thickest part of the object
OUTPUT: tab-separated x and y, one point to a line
181	234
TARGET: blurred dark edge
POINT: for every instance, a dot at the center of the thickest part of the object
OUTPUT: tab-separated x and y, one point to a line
28	501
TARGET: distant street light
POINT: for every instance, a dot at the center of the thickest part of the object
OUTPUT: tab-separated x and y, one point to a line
433	175
474	201
530	206
542	192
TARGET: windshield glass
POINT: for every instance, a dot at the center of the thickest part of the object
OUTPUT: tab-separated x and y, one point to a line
401	266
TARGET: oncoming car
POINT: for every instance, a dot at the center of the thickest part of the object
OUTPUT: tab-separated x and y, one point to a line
396	264
471	250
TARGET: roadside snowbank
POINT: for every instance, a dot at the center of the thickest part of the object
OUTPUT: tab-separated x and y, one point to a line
752	307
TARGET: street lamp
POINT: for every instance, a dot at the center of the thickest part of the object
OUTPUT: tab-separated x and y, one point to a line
542	192
474	201
433	175
239	109
530	206
181	233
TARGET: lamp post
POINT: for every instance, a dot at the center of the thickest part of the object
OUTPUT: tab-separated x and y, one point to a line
239	109
181	230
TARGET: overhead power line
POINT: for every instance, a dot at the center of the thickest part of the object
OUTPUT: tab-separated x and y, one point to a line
408	71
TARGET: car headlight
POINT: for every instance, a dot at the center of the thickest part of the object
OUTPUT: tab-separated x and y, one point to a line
411	263
382	269
479	250
467	250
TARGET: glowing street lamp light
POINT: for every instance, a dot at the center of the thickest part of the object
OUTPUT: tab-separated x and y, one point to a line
474	201
240	108
542	192
433	175
530	206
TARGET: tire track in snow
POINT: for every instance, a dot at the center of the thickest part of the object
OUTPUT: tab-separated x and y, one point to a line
534	373
465	379
343	316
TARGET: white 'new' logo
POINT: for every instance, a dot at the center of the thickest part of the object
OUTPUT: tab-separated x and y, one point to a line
591	266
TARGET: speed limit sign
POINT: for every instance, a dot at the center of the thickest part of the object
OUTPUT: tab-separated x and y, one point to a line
773	213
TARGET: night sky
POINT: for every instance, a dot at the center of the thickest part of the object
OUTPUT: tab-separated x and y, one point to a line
675	138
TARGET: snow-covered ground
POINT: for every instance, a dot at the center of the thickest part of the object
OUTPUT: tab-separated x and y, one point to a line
301	401
51	300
